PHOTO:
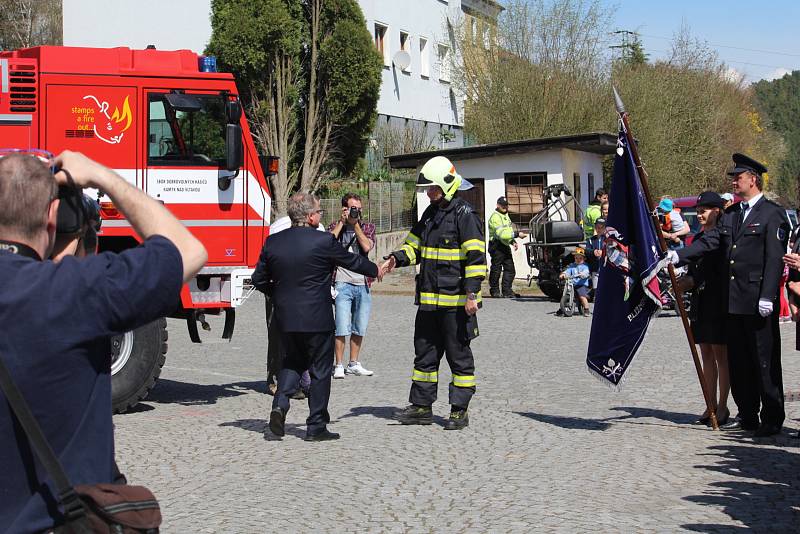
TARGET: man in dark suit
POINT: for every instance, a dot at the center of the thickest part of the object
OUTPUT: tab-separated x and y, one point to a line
753	234
295	266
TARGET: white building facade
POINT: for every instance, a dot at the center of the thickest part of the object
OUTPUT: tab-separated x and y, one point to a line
417	39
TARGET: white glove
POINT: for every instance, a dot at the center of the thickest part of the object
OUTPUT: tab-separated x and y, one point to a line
672	257
764	307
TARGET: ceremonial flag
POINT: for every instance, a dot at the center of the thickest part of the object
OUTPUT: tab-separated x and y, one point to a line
628	294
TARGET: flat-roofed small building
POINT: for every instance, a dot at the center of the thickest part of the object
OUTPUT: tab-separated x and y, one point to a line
519	171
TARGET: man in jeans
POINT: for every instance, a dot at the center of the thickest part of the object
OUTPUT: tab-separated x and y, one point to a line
353	300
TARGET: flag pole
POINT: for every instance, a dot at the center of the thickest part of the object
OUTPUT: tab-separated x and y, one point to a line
712	413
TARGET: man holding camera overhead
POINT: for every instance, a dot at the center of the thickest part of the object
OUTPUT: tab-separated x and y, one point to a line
60	317
353	300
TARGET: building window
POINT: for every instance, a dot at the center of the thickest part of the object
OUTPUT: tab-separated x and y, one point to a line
405	43
380	42
576	191
424	60
444	63
473	30
524	194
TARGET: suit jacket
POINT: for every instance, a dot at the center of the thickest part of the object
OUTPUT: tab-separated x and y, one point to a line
295	266
752	252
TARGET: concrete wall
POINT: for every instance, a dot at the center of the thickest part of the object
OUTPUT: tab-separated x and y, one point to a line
559	165
386	243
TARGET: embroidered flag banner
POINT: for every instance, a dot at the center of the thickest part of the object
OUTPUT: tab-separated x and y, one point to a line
628	294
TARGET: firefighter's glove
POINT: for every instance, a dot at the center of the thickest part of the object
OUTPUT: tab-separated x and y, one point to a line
764	307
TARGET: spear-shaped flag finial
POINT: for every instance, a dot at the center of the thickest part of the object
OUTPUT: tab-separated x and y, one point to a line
618	102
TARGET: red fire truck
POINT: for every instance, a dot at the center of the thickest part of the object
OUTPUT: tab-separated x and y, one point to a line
171	125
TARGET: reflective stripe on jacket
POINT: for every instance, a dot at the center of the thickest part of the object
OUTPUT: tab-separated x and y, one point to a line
449	247
500	228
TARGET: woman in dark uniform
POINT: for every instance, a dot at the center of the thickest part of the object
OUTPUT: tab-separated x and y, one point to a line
708	278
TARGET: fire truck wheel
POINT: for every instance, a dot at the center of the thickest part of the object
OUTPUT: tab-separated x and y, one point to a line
136	361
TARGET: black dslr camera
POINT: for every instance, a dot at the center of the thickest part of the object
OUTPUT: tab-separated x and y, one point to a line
78	214
355	213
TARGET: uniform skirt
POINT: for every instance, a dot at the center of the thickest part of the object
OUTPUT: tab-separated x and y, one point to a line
711	330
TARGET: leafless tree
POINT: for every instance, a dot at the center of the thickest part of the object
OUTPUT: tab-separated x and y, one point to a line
26	23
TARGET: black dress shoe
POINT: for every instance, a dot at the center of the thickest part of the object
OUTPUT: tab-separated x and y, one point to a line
765	431
736	424
325	435
277	421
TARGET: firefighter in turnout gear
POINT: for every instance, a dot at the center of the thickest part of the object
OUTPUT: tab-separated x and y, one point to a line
448	245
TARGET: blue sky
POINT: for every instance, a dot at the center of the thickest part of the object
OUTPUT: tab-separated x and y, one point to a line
759	39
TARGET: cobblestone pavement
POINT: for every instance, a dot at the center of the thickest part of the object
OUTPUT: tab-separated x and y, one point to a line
549	449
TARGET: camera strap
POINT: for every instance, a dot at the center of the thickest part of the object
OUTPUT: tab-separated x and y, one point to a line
73	508
20	249
353	240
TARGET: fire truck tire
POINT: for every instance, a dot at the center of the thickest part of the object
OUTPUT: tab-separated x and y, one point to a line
136	361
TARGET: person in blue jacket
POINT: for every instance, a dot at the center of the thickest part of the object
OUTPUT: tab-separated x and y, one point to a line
579	273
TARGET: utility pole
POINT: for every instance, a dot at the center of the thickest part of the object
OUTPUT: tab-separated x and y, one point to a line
625	47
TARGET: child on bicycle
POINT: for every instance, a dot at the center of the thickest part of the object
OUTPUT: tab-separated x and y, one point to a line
578	272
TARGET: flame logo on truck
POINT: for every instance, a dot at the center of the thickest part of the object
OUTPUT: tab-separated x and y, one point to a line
115	124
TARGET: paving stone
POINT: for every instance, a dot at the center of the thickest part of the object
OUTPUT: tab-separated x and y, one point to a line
548	449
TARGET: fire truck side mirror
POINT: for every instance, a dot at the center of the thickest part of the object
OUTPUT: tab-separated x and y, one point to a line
234	150
233	110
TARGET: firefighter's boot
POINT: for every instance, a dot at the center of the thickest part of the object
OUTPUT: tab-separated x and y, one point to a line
415	415
458	419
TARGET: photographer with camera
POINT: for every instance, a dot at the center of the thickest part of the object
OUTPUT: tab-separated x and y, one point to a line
353	300
60	318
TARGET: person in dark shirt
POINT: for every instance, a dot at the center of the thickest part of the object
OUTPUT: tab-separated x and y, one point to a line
60	317
594	247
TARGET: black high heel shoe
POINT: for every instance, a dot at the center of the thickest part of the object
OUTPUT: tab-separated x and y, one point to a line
703	421
724	420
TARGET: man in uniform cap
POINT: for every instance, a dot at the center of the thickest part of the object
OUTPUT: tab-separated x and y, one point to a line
752	235
502	237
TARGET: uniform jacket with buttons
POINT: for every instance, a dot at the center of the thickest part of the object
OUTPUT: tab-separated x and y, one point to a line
752	253
448	245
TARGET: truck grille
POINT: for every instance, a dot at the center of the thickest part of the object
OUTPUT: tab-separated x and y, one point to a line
22	85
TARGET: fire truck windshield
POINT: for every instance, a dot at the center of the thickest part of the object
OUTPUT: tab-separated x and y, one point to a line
192	135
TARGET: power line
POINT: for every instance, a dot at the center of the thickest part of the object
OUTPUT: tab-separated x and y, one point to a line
731	47
732	61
